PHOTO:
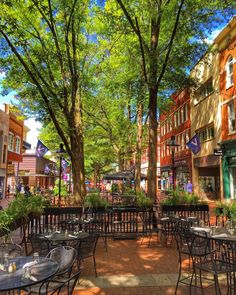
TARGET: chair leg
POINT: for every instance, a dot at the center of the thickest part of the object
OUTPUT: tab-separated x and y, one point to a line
217	286
200	278
180	271
94	263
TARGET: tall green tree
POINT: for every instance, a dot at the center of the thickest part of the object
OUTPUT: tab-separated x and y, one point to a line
48	54
164	31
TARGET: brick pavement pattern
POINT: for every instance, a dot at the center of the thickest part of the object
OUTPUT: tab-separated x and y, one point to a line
132	268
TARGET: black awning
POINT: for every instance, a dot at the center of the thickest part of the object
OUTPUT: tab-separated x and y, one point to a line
122	175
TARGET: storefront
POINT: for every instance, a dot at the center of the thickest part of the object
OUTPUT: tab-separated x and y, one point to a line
208	176
229	169
183	172
166	178
2	183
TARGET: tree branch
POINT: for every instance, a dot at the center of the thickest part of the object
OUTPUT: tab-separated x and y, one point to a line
142	52
59	54
136	30
41	91
170	43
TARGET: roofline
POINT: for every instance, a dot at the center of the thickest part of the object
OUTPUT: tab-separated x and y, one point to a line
225	30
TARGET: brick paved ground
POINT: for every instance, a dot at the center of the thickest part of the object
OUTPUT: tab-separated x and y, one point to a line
130	267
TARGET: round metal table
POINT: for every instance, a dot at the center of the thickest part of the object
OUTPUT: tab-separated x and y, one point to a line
43	270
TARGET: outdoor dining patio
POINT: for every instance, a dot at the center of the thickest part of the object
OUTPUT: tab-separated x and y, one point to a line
133	250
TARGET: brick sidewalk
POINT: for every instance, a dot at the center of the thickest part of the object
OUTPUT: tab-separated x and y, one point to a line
132	268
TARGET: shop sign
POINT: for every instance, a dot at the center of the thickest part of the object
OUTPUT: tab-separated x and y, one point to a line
218	152
10	169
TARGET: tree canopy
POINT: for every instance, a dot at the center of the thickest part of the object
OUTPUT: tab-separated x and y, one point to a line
95	73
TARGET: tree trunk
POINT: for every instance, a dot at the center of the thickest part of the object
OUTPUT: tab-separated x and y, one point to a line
153	89
120	161
152	156
77	159
138	146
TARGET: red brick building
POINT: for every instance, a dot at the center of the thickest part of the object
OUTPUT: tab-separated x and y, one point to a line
226	44
15	146
176	122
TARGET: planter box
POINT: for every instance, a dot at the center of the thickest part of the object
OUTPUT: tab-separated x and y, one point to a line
189	207
13	226
200	211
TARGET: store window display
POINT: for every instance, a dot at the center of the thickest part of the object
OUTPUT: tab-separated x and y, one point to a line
207	185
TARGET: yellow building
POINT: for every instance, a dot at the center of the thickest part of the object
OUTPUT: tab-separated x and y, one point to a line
206	122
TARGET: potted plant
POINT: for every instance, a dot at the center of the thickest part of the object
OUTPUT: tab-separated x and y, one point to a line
94	201
143	201
19	211
183	201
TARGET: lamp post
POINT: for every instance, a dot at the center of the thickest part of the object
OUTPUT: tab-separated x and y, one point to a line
60	151
173	144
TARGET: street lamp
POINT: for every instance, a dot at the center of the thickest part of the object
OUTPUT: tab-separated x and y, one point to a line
60	151
173	144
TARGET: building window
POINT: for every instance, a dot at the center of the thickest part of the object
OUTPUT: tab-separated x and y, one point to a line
205	90
229	72
206	133
4	158
18	145
175	119
11	142
183	140
185	112
179	117
231	117
187	136
170	123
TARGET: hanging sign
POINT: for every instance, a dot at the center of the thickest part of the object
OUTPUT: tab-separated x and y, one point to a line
218	152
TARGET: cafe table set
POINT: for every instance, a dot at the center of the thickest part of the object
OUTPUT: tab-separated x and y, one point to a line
227	232
22	272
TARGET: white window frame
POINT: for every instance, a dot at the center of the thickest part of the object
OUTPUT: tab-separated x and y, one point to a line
183	141
231	117
175	119
17	144
229	72
179	117
11	142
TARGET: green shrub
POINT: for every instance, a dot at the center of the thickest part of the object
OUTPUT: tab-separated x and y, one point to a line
63	191
177	197
226	209
94	200
143	201
114	188
21	207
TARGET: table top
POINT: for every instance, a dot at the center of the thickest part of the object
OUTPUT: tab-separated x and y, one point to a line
216	233
41	271
62	236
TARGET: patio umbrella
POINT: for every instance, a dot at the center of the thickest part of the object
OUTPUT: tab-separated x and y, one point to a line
122	175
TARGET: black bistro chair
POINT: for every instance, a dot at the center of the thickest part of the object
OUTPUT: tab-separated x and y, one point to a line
87	249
